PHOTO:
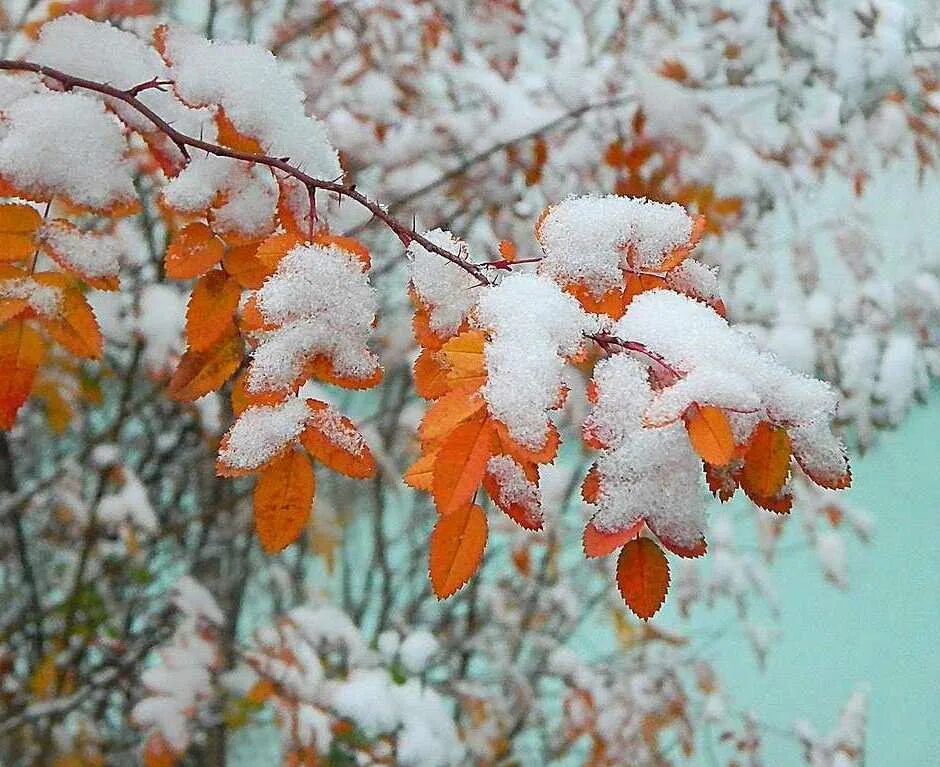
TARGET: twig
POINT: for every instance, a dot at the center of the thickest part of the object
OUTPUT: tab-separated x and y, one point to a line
184	142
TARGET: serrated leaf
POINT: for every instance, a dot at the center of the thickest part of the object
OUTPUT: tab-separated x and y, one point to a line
446	413
18	225
21	352
461	464
195	249
643	577
710	434
334	441
600	543
76	327
211	308
283	499
198	373
766	461
456	549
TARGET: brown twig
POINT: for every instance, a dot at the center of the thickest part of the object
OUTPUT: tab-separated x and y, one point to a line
184	142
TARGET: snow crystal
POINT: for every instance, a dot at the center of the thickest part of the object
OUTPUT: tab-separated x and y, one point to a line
259	95
85	253
45	300
66	144
330	421
533	325
16	86
649	473
251	195
447	290
697	342
327	627
590	240
261	432
416	650
322	298
898	376
367	697
100	51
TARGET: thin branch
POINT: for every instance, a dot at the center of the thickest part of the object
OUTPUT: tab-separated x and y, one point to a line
184	142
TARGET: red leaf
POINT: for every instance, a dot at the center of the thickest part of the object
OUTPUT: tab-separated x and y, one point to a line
597	543
643	577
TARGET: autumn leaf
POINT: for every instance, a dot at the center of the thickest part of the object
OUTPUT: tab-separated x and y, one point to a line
18	225
76	327
710	433
456	549
198	373
21	352
420	475
245	267
522	503
591	486
766	461
242	399
643	577
349	244
194	250
463	355
446	413
599	543
335	442
430	376
211	308
544	454
282	500
157	752
461	464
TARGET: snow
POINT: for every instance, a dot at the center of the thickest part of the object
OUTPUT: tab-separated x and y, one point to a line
257	94
87	254
128	504
592	240
649	473
448	291
526	349
330	422
100	51
416	650
161	313
261	432
322	300
193	599
699	344
45	300
66	145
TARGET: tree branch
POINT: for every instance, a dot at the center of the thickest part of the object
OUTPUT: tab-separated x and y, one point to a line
405	234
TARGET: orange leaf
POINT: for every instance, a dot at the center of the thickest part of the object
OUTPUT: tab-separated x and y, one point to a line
228	135
643	577
446	413
766	462
158	752
194	250
591	486
710	433
420	475
242	399
463	355
545	454
335	442
597	543
211	308
282	500
456	550
76	328
527	513
198	373
461	464
430	376
321	367
245	267
21	352
18	225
